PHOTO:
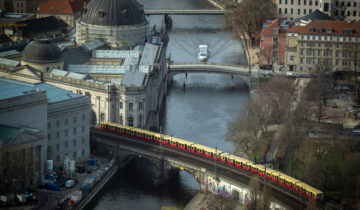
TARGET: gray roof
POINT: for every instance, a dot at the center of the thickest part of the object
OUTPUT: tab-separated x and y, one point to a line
89	47
316	15
74	56
73	75
9	53
113	12
9	62
149	55
55	94
7	133
12	88
116	54
42	51
133	79
98	69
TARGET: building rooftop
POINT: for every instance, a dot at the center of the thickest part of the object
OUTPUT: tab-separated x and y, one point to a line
133	79
12	88
55	94
316	15
67	7
329	27
7	133
74	56
278	27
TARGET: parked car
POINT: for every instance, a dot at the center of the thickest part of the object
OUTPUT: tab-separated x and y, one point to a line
69	183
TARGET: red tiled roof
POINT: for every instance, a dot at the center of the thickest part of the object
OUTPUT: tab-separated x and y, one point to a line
275	24
68	7
336	26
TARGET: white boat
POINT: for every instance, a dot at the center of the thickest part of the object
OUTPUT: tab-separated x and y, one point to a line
203	52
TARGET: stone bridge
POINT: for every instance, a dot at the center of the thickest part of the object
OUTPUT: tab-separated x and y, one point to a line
186	12
246	73
211	175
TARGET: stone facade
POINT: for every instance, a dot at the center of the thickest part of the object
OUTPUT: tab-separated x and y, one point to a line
333	45
293	9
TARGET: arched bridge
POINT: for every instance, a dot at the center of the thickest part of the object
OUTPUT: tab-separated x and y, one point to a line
210	174
245	72
185	12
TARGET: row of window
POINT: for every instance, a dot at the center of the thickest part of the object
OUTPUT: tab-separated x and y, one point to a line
327	52
329	38
131	106
66	121
75	155
66	133
298	2
292	11
325	61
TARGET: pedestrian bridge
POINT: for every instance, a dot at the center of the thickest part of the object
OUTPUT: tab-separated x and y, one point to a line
245	72
185	12
211	175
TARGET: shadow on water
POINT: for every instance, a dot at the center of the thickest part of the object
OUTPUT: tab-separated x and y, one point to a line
133	188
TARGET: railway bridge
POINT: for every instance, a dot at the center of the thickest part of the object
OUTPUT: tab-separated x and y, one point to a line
211	175
247	74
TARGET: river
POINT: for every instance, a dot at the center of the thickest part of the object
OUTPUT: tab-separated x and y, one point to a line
199	114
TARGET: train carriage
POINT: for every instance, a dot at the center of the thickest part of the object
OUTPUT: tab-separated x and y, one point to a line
226	158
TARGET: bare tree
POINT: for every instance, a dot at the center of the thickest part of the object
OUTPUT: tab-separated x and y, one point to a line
339	9
247	17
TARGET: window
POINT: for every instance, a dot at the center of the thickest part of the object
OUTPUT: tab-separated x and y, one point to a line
121	105
83	140
66	132
130	121
348	13
83	129
121	119
337	53
75	154
57	147
66	121
304	11
279	10
326	7
57	158
292	2
49	136
319	44
301	60
298	11
75	119
328	45
304	2
75	143
319	52
299	2
280	2
83	153
286	1
83	117
285	10
57	123
74	131
49	125
291	11
316	3
302	52
292	58
66	144
310	10
57	134
337	62
140	105
131	106
310	3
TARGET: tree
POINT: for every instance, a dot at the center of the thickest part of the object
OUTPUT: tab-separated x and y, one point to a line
259	194
247	17
339	9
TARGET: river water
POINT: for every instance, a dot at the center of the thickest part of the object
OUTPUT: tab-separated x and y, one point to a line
199	114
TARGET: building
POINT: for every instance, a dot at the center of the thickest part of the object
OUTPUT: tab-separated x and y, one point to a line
273	42
126	85
21	158
292	9
36	28
333	45
23	129
120	23
68	125
67	10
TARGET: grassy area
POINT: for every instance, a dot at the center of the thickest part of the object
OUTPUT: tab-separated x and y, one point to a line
261	146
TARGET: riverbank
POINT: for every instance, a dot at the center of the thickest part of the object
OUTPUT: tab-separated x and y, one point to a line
205	201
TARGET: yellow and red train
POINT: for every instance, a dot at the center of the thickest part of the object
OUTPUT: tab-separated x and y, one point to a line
226	158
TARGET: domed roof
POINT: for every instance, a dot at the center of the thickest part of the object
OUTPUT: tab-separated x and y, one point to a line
113	13
42	51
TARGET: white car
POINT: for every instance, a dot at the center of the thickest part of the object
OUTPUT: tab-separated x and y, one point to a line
203	52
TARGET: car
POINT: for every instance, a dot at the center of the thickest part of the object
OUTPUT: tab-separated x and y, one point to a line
356	129
69	183
203	52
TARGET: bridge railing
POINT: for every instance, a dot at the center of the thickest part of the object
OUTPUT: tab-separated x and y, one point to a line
207	64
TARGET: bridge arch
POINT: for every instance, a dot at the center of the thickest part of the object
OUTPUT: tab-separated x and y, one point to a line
243	72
